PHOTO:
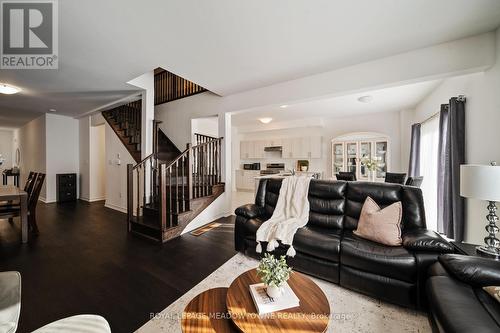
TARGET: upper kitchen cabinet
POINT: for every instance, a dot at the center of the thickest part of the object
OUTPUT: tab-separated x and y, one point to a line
304	148
311	147
247	149
291	148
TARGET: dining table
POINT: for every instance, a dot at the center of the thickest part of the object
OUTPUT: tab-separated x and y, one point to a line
14	193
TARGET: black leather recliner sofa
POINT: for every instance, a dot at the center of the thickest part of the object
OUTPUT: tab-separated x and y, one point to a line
327	248
457	302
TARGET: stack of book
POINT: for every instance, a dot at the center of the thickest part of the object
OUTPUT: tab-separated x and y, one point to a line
266	304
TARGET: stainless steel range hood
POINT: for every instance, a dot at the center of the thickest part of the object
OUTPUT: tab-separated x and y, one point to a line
273	148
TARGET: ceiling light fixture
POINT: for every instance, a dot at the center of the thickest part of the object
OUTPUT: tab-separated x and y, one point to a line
52	110
8	89
365	99
284	106
265	120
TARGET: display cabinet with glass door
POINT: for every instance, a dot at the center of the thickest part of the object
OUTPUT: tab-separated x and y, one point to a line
380	155
338	157
365	153
351	153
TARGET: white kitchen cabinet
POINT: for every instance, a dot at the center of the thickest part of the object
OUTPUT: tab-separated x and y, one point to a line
247	149
287	145
292	148
258	151
245	179
274	143
310	147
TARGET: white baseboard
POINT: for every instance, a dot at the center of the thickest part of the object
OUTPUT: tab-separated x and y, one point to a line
44	200
115	207
93	199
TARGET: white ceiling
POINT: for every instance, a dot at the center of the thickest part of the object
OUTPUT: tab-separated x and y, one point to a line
227	46
384	100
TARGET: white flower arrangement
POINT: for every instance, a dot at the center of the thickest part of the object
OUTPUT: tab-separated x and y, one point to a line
370	164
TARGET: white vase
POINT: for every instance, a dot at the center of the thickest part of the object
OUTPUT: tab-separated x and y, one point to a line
274	291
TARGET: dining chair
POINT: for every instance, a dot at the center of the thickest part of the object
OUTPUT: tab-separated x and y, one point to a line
347	176
395	178
28	187
414	181
11	211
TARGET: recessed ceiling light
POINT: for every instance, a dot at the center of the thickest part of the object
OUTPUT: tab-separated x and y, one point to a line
52	110
8	89
284	106
265	120
365	99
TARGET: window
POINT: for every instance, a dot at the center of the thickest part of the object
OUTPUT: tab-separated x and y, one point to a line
429	142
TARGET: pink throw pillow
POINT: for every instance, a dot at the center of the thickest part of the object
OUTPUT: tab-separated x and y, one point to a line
380	225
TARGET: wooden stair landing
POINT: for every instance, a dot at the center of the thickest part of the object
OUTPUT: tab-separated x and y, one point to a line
149	225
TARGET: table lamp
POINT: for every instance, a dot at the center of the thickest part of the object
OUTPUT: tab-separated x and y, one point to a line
483	182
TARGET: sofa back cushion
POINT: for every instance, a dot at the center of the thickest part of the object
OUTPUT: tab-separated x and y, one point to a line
385	194
327	203
273	186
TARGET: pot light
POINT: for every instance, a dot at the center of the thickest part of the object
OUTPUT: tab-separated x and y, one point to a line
284	106
265	120
52	110
365	99
8	89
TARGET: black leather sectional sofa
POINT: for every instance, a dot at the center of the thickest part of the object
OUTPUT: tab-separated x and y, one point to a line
457	302
327	248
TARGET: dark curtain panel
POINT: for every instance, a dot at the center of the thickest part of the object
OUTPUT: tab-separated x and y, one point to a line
451	152
414	167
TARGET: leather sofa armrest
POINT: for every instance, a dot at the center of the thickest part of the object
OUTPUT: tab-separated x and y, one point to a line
475	271
426	240
249	211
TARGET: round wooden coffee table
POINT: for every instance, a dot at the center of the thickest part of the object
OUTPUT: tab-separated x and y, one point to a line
207	313
311	316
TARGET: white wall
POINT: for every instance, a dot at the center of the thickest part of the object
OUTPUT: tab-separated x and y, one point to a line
206	126
482	133
62	150
84	143
31	140
117	158
6	147
97	163
387	123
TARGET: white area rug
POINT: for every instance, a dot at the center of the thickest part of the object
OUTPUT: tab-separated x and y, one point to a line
364	314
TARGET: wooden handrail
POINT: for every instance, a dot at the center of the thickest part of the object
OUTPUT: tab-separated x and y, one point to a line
144	160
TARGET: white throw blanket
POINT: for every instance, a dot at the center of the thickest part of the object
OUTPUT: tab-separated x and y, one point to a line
290	214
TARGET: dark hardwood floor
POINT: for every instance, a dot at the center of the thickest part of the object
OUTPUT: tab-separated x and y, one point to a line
84	261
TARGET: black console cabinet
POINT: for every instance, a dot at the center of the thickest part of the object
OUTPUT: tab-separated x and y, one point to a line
66	187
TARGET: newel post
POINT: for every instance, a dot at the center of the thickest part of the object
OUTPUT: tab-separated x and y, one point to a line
190	172
130	193
162	200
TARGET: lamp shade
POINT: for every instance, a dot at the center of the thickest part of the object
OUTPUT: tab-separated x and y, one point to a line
480	182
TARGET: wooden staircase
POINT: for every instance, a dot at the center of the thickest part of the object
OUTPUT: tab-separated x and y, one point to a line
169	188
125	121
163	197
